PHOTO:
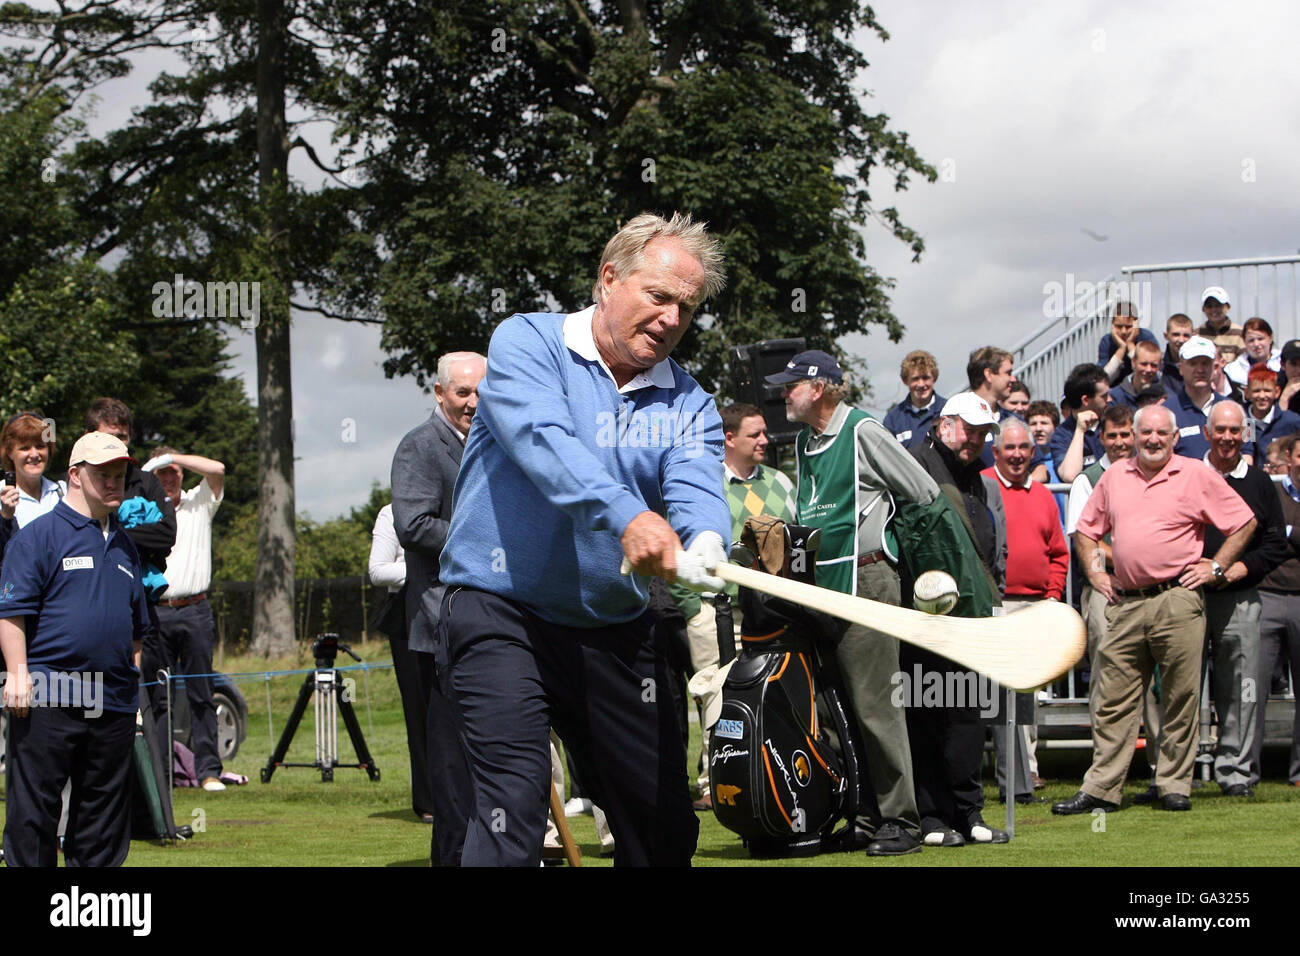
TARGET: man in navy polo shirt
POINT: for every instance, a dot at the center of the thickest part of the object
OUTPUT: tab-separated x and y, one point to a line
1074	445
1117	351
909	420
1191	406
72	616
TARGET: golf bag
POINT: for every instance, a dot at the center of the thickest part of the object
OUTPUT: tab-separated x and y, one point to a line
151	807
779	780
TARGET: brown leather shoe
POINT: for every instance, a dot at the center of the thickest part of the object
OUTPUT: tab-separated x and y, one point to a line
704	803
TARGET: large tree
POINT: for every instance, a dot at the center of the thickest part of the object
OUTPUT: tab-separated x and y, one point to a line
197	184
488	149
502	142
70	330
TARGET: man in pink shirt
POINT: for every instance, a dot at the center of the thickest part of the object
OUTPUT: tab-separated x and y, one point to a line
1155	506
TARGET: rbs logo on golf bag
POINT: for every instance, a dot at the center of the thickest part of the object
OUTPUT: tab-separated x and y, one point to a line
731	729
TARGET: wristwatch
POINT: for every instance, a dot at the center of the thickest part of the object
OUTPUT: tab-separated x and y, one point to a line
1217	568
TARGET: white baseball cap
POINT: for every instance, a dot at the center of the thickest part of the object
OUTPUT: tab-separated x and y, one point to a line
1215	292
1198	346
971	409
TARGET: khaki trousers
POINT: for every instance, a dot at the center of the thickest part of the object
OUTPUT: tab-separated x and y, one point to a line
1167	629
705	685
1094	616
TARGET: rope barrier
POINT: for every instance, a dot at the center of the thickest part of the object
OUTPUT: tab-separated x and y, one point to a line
251	675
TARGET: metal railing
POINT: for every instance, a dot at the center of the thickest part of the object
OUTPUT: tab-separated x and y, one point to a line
1265	286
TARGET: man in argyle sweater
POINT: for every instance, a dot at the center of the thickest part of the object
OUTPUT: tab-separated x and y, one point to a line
752	489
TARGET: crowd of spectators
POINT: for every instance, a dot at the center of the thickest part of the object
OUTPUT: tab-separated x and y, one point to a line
1217	595
105	575
1187	550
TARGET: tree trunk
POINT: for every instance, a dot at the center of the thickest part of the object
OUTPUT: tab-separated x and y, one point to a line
273	618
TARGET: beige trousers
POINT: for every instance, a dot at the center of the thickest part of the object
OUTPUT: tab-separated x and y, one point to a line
1167	629
706	684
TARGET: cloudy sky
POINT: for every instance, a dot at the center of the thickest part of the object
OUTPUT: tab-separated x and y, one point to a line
1073	138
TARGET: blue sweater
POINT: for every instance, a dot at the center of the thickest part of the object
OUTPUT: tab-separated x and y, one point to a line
558	462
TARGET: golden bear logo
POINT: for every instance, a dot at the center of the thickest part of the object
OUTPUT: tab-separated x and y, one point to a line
802	768
727	794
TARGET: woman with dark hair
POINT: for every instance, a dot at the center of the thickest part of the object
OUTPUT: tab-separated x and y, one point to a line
25	492
1259	350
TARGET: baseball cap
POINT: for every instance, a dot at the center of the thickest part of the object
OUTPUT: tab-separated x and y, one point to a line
814	363
971	409
1215	292
98	448
1198	346
1291	351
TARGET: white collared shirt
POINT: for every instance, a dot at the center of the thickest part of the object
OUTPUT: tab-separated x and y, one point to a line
189	565
1007	483
1268	419
1080	491
581	340
1238	472
921	408
732	476
29	507
437	410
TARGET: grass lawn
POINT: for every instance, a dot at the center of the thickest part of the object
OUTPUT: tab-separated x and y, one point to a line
296	820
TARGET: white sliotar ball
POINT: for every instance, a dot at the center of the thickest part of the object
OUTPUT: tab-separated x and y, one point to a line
935	592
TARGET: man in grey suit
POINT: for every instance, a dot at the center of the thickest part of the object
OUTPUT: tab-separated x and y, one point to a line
424	475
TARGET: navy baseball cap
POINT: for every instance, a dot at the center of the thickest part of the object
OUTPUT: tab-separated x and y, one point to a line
813	363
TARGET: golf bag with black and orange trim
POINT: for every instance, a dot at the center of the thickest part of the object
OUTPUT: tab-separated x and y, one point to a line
782	763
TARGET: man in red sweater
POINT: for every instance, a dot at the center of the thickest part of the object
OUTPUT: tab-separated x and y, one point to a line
1037	559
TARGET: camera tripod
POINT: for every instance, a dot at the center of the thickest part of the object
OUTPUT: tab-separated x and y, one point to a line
331	700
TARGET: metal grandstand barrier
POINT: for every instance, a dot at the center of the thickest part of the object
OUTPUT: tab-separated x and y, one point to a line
1264	286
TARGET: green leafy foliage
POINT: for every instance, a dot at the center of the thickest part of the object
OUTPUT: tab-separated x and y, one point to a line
552	122
337	548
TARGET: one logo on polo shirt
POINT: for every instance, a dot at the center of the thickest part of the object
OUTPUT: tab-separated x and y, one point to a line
126	571
83	562
7	590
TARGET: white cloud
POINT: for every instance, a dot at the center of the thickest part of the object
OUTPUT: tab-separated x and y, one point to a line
1142	141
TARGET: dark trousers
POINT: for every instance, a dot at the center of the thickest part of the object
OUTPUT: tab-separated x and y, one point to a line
48	747
603	689
415	709
451	789
947	744
188	634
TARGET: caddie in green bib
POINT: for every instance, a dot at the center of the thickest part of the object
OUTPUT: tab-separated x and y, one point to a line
828	498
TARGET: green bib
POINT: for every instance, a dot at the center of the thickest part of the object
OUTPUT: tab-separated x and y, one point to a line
828	499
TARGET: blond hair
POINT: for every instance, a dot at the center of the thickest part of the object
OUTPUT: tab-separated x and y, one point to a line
625	250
